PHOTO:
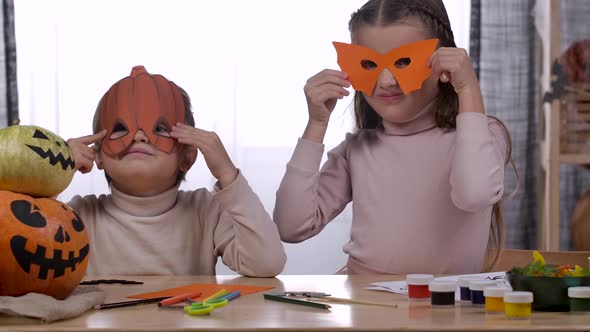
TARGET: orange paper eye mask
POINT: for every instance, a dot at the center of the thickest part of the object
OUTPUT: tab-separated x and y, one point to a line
144	102
363	65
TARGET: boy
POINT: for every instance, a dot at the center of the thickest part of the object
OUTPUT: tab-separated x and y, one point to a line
146	142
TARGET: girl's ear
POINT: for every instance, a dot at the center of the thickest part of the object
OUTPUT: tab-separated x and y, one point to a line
188	159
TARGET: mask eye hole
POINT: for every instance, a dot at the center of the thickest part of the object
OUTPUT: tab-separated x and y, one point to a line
119	130
368	64
162	129
39	134
402	63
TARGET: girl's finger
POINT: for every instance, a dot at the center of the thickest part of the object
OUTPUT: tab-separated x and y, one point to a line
330	94
329	79
327	72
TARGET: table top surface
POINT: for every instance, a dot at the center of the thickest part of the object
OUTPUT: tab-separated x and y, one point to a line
253	312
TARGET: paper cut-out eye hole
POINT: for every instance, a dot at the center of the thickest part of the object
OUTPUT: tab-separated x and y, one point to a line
368	64
119	130
402	63
162	129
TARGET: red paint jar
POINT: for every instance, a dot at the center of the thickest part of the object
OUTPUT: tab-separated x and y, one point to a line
418	286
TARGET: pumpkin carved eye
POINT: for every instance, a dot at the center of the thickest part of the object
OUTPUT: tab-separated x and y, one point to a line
77	223
39	134
27	214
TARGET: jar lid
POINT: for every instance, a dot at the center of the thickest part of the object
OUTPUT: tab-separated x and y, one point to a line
464	281
479	285
442	286
419	279
496	291
579	292
518	297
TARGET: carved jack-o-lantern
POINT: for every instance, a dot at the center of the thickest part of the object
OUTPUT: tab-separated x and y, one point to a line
43	246
34	161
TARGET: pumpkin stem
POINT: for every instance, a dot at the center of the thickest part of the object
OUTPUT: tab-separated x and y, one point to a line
138	70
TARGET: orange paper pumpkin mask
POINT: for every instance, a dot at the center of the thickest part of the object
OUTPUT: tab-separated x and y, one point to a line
144	102
363	65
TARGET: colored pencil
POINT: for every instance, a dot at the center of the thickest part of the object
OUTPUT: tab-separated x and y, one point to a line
216	295
129	303
296	301
178	298
350	301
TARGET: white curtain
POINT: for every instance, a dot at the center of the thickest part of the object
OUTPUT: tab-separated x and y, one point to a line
244	64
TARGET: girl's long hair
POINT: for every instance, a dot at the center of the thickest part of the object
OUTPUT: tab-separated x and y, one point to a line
434	16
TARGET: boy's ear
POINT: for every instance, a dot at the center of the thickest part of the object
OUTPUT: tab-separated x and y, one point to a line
188	159
98	160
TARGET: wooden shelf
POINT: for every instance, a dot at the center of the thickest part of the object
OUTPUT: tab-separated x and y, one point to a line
575	159
548	229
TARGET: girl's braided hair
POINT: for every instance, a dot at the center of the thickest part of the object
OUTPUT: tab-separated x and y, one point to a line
433	15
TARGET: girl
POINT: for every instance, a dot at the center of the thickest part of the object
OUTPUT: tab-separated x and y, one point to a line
424	170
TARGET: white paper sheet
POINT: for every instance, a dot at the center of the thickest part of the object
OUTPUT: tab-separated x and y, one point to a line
401	287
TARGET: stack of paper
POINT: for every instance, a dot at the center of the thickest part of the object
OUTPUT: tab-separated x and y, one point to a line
401	287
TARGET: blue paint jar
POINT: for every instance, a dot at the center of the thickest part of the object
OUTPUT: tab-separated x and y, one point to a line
464	291
477	287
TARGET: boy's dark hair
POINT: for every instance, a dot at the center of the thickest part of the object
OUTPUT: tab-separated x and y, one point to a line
188	119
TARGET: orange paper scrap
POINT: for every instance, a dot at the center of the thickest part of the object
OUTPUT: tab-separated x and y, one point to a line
205	289
353	60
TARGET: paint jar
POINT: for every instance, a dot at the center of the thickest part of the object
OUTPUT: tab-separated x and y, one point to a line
477	287
418	286
464	291
494	297
442	293
517	305
579	299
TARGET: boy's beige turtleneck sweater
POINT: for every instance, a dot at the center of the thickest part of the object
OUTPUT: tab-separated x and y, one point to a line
421	196
180	232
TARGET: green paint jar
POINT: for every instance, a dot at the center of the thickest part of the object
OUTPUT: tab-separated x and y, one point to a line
579	299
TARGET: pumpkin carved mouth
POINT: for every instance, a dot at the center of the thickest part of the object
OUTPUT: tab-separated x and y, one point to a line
53	159
57	264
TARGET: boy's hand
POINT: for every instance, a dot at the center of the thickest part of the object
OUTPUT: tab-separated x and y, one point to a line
84	155
213	151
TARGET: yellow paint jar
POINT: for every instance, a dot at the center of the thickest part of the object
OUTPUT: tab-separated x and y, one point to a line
494	298
518	304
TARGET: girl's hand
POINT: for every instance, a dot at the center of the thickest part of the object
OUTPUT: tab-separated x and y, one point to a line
210	145
322	91
85	155
453	65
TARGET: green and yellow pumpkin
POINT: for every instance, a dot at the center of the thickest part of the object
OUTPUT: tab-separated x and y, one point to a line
43	246
34	161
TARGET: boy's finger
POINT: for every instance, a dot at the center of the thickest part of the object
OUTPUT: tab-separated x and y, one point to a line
92	138
181	127
88	154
